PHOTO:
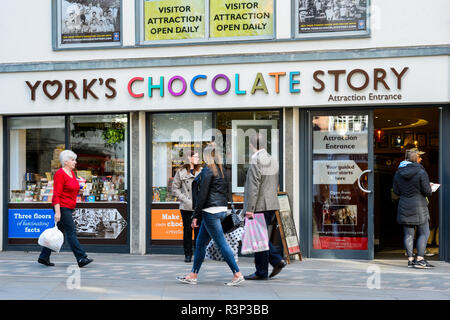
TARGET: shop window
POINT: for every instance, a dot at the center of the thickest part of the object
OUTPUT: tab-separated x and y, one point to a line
236	128
35	144
100	142
339	206
173	134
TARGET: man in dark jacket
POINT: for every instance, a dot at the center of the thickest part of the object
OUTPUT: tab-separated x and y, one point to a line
412	184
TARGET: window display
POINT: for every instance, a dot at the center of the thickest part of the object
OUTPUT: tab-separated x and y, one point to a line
100	142
236	128
173	135
34	148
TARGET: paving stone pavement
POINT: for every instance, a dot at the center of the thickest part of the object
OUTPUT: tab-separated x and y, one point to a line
152	277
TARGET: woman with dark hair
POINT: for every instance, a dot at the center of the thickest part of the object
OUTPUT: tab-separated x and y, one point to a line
182	189
211	206
412	185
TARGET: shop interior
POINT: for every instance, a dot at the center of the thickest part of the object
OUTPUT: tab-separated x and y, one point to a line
98	140
396	130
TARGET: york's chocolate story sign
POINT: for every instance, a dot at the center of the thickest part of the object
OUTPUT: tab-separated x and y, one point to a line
330	82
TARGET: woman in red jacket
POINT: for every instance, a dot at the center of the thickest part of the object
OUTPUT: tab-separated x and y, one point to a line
65	190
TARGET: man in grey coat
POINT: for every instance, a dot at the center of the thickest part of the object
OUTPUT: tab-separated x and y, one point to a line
260	196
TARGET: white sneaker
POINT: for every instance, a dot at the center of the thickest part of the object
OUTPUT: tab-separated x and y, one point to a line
235	282
187	280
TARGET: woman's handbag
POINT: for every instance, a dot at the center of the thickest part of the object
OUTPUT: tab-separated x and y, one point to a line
233	238
255	237
51	238
232	221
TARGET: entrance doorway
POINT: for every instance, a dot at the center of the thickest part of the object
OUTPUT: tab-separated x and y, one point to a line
396	130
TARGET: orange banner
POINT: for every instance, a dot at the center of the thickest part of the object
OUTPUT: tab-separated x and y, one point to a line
167	224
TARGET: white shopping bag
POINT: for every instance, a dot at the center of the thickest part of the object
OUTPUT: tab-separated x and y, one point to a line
51	238
255	237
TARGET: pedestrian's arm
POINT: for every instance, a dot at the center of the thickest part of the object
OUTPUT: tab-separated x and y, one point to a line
57	191
176	187
57	212
395	186
203	193
253	184
425	185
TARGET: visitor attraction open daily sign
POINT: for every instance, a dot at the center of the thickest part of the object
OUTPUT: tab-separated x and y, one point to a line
235	18
203	20
173	20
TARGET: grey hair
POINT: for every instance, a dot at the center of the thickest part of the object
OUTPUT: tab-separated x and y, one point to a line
66	155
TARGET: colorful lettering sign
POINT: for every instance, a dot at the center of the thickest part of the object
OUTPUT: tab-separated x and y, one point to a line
174	19
241	18
219	84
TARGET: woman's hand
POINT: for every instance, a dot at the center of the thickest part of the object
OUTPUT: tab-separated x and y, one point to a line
57	213
194	223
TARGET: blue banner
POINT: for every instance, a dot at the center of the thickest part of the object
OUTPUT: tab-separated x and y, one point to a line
29	223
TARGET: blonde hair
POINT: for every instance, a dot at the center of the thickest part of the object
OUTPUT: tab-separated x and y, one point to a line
213	159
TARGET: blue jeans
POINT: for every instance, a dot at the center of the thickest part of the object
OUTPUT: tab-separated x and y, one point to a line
211	227
66	225
263	258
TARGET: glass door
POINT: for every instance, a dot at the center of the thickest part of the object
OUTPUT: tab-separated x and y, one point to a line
342	181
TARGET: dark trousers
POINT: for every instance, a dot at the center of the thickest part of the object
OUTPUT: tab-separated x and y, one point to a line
67	226
423	232
272	256
187	232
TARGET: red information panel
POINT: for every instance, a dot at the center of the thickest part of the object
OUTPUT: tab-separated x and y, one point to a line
340	243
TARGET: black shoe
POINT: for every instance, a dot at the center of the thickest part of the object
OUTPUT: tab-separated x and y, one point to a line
276	270
45	262
187	259
411	263
84	262
254	276
423	264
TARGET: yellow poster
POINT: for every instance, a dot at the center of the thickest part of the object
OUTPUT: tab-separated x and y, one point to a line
174	19
241	18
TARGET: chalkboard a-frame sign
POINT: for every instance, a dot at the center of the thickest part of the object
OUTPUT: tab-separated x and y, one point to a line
287	227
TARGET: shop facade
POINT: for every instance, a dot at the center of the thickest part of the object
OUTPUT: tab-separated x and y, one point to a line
132	116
